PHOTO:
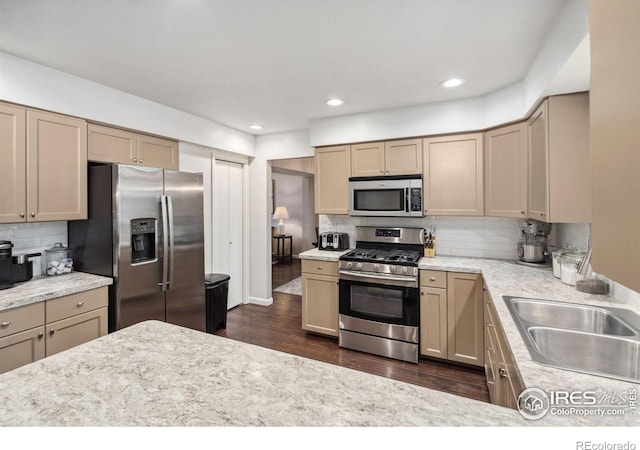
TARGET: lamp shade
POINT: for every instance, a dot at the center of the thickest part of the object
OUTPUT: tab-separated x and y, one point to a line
281	213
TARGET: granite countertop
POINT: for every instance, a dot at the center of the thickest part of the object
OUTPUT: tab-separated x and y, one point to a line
42	288
322	255
159	374
506	278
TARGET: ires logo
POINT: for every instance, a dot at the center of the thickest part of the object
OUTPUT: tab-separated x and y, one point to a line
534	403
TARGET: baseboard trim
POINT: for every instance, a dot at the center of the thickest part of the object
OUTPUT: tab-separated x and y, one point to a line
260	301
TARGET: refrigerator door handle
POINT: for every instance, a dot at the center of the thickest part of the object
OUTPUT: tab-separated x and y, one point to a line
171	241
165	242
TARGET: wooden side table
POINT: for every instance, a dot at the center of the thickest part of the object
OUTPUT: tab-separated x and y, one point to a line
281	240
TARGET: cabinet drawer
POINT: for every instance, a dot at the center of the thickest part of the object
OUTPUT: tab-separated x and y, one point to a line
20	319
433	278
320	267
71	305
68	333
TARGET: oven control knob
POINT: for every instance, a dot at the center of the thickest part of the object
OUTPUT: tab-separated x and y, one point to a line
376	267
359	266
349	265
404	270
393	269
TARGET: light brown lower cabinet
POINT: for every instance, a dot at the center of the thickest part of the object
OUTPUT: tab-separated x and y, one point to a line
31	332
451	316
503	378
320	297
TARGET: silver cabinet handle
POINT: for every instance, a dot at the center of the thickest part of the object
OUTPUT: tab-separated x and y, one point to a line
319	268
33	214
135	160
432	278
5	324
79	304
140	161
489	325
503	372
22	214
40	335
52	332
522	211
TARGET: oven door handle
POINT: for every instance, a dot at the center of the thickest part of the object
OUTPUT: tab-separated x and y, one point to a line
400	281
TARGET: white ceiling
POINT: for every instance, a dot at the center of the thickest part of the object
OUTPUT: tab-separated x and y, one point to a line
274	62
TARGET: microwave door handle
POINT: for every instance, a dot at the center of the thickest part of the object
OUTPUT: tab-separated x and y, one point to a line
407	194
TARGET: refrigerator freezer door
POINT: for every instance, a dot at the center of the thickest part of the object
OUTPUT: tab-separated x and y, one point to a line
186	292
138	295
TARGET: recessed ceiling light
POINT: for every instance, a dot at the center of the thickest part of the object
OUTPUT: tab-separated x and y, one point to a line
256	126
452	82
333	102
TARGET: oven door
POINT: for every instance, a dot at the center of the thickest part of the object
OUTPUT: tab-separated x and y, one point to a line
379	301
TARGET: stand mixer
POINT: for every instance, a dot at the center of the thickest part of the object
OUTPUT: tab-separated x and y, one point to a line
532	248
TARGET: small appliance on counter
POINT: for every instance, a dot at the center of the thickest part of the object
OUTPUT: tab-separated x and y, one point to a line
532	248
333	241
14	269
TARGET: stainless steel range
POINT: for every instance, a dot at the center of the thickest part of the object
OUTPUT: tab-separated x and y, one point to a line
379	292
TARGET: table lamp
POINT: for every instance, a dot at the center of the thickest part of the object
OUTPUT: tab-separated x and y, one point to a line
281	214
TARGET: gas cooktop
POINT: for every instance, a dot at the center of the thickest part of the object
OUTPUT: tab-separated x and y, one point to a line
394	256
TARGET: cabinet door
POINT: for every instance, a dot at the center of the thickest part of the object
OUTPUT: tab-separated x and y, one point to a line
13	177
111	145
452	175
538	136
569	159
21	348
433	322
490	360
367	160
465	315
333	166
156	152
320	304
76	330
614	137
56	167
403	157
505	171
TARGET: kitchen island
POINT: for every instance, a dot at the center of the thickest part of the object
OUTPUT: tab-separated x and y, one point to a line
157	374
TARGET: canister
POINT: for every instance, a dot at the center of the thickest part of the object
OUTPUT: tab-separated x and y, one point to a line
556	260
568	267
58	260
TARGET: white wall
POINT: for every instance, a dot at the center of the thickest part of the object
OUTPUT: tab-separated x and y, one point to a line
35	85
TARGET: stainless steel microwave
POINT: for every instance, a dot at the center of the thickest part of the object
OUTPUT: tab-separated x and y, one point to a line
386	196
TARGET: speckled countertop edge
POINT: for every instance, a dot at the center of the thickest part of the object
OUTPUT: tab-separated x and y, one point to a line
43	288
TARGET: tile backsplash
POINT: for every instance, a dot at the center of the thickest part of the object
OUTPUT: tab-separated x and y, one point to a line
33	238
486	237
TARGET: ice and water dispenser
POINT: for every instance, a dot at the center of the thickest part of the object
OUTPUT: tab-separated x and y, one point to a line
143	240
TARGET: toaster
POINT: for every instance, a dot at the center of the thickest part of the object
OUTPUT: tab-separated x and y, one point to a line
333	241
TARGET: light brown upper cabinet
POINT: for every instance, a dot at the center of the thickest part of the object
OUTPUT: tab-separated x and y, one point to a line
333	167
13	172
390	158
505	171
452	175
113	145
615	138
559	179
44	170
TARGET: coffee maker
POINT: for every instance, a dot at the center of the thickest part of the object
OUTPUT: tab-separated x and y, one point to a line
14	269
532	247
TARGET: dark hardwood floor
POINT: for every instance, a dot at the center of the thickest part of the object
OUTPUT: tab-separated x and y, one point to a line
278	327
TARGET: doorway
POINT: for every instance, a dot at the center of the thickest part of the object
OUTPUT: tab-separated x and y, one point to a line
292	188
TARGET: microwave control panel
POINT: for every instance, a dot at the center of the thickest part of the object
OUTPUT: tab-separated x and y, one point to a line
415	199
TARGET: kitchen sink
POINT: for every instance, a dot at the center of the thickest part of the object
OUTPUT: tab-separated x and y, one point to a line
597	340
570	316
607	355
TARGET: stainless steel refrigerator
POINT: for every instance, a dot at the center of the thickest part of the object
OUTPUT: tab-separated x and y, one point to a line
146	231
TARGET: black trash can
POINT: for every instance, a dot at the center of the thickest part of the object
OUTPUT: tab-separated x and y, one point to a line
217	288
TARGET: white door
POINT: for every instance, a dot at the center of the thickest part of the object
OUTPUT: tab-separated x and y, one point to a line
227	226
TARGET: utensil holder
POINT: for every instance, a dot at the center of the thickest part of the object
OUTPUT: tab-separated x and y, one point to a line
430	252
